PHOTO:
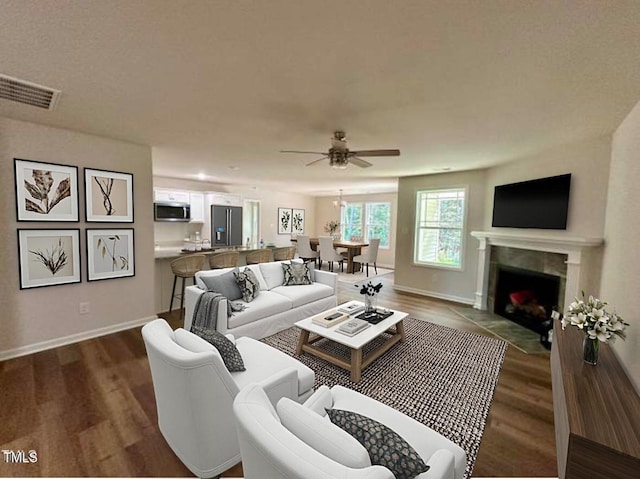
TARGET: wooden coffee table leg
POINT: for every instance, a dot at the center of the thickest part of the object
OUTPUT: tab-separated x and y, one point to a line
356	365
400	329
302	340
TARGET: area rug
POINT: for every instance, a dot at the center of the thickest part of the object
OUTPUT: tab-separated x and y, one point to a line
359	276
440	376
516	335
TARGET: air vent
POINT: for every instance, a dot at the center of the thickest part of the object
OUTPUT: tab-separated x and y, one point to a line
21	91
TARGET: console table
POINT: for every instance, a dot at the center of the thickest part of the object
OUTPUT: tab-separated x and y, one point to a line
596	412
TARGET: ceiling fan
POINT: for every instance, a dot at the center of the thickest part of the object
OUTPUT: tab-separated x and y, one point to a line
340	156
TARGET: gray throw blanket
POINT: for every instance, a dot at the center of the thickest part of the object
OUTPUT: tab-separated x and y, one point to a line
205	313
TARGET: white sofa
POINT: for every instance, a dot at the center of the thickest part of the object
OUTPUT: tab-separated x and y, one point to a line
275	308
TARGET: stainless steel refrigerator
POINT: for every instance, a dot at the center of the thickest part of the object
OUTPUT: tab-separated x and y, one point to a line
226	225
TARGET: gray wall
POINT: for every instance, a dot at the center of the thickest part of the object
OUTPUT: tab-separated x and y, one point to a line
40	318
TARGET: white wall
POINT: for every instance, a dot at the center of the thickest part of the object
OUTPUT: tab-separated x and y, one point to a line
270	201
442	283
326	211
39	318
620	283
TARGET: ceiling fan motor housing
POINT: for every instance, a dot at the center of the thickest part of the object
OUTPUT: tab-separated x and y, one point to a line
338	159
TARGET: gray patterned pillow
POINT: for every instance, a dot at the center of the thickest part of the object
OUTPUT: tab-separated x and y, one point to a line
230	354
248	283
385	447
296	274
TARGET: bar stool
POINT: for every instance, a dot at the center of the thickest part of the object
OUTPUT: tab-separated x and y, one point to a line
259	256
184	267
228	259
281	254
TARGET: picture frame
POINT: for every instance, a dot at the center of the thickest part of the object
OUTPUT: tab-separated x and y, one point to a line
108	196
45	191
48	257
297	221
284	221
110	253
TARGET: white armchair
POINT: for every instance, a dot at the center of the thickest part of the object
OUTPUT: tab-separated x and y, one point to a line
194	392
273	450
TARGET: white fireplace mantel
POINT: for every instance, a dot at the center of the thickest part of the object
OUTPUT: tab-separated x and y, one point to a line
572	246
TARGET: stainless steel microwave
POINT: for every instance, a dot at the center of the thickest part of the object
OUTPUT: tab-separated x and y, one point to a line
171	211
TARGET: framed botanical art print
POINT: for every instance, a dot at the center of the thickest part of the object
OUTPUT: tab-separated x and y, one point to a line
110	253
284	221
48	257
297	221
46	191
108	196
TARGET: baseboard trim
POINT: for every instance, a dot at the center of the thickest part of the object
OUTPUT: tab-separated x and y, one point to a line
73	338
433	294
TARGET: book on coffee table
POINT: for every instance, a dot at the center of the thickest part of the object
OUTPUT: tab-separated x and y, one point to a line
353	327
352	307
328	319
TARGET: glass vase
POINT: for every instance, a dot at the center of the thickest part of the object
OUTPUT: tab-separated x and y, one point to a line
590	350
369	304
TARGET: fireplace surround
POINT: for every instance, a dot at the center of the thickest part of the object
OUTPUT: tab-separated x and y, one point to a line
577	254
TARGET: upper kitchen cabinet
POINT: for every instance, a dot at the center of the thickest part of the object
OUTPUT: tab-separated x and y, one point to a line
196	201
161	195
224	199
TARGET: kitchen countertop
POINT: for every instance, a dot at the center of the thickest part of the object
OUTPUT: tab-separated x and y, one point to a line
171	252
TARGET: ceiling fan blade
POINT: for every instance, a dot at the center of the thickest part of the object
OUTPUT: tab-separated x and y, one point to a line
359	162
377	153
316	161
304	152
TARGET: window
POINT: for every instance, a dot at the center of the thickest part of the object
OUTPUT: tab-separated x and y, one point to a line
439	227
367	220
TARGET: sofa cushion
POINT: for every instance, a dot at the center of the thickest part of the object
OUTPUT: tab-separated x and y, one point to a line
272	273
225	284
304	294
385	447
323	436
248	284
266	304
296	274
216	272
261	360
230	355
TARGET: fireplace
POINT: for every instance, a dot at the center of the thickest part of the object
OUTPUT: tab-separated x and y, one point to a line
526	297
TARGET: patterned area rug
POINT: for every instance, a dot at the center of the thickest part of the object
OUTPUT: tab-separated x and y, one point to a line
442	377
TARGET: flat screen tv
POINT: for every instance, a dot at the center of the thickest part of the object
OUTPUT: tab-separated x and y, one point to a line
542	203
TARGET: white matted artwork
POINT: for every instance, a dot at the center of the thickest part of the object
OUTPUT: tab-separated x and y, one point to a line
110	253
284	221
46	191
297	221
108	196
48	257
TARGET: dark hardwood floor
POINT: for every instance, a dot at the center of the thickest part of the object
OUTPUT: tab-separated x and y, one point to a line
88	409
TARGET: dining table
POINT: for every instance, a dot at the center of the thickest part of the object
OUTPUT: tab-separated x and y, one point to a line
354	248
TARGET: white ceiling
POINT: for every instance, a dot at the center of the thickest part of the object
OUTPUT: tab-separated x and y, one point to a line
212	85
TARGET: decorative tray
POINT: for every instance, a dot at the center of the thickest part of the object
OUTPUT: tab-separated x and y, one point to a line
375	317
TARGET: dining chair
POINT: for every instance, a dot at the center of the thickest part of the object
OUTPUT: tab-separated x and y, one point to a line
328	252
259	256
370	255
304	248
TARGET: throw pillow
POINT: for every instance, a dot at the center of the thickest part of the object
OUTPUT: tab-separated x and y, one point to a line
296	274
311	264
385	447
225	284
318	432
248	283
228	351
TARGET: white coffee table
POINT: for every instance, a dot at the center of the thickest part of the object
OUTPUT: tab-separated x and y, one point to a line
311	333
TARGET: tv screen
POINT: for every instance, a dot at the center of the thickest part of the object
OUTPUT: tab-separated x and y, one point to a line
541	203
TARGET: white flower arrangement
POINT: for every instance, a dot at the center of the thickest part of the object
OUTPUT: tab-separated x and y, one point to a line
593	319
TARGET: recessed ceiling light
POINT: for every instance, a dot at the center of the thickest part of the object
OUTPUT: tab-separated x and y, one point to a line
202	176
